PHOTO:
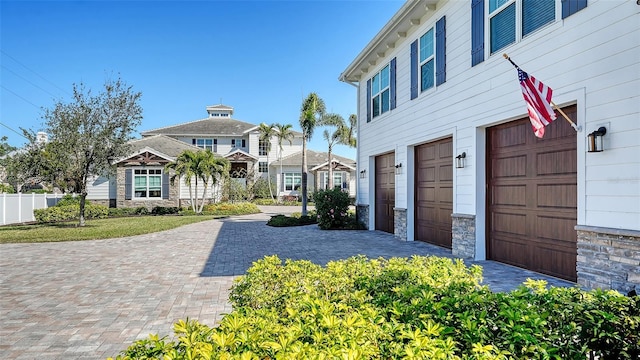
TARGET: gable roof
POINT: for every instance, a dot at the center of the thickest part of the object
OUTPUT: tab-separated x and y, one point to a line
204	127
163	145
314	159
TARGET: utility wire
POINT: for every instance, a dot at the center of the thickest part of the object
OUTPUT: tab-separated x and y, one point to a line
25	79
33	71
15	131
34	105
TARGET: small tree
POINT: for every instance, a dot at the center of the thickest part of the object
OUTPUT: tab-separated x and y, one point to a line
311	115
266	133
283	132
86	133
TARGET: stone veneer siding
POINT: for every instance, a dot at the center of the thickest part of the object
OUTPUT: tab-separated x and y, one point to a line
172	201
362	215
463	236
400	223
608	258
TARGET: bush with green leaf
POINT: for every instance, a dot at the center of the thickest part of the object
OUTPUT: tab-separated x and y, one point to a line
226	208
165	210
70	212
285	221
331	208
417	308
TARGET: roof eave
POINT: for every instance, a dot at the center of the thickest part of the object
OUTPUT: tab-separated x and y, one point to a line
407	17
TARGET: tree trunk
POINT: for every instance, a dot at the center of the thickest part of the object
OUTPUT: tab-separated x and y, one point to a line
269	177
330	173
281	178
194	202
83	197
204	193
303	186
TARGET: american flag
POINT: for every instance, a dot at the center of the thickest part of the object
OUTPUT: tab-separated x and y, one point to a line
538	98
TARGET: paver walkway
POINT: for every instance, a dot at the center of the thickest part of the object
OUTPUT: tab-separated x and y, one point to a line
91	299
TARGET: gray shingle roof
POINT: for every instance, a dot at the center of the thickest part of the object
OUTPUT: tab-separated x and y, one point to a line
163	144
314	158
204	127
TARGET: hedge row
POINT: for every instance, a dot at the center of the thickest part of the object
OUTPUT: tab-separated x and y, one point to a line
70	212
418	308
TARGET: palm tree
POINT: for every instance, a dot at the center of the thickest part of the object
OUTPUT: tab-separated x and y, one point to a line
266	133
210	169
283	132
338	136
311	115
198	165
349	136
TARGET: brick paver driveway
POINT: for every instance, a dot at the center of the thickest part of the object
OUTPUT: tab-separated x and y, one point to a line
91	299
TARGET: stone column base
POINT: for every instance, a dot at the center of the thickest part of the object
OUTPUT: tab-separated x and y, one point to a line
463	236
608	258
400	223
362	214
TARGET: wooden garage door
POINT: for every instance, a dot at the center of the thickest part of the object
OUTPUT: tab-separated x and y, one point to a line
434	192
385	191
532	196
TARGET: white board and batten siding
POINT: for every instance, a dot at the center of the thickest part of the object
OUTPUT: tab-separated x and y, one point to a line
213	191
591	59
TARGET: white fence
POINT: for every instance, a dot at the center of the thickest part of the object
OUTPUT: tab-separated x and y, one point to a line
18	208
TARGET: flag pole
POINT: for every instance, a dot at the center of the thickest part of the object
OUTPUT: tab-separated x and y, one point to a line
573	125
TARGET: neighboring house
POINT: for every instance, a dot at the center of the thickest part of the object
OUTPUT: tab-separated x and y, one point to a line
142	181
434	88
289	181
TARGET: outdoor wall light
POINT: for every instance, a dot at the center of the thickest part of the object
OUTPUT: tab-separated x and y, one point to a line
399	169
595	139
460	160
363	173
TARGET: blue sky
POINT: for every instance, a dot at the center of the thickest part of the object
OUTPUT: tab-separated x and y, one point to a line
261	57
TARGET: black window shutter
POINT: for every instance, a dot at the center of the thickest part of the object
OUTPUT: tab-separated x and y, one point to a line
233	142
128	184
165	185
369	100
570	7
414	69
244	143
441	51
392	81
477	32
193	141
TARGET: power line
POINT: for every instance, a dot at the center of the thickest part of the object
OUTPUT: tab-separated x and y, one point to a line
15	131
25	79
33	71
34	105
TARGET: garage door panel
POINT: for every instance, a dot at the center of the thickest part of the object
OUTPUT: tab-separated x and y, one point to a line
434	192
557	196
514	166
557	163
532	197
513	195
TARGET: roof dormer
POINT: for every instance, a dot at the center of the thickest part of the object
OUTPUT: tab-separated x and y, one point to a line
219	111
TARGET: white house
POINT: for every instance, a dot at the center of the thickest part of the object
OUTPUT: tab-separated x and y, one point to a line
142	181
435	83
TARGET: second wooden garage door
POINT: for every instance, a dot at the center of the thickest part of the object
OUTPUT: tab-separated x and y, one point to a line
532	197
434	192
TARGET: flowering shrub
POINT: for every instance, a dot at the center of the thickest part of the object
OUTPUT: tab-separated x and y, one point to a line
331	207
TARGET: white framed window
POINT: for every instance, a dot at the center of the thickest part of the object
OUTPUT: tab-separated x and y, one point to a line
238	143
262	148
427	62
263	167
381	92
207	144
147	183
512	20
339	179
292	181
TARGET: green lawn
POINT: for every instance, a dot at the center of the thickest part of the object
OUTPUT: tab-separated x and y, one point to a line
95	229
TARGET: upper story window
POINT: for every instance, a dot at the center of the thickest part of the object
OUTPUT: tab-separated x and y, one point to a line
207	144
510	20
262	148
238	143
380	92
263	167
427	60
147	183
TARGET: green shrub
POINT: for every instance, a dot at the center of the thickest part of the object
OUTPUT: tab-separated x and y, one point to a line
284	221
417	308
165	210
70	212
265	201
7	189
241	208
331	207
260	189
69	199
